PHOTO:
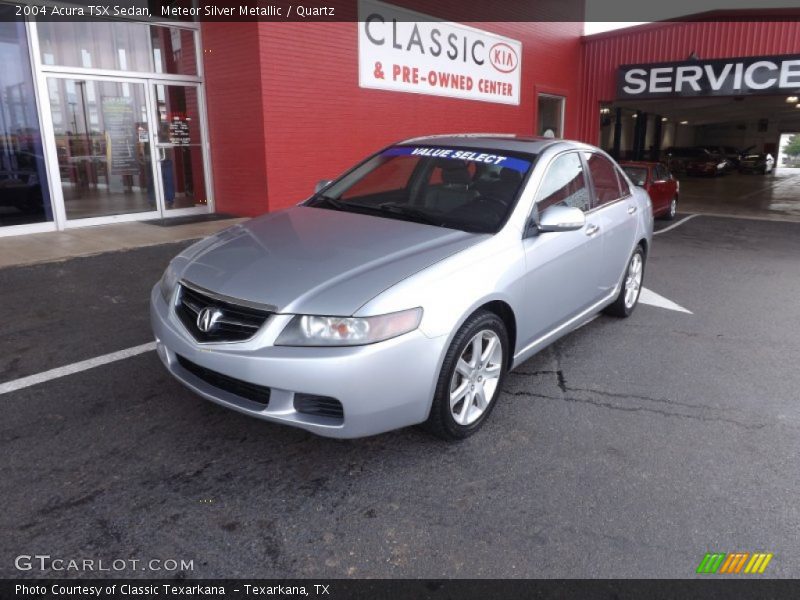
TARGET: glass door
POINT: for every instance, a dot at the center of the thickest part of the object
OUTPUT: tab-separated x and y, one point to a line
103	144
180	147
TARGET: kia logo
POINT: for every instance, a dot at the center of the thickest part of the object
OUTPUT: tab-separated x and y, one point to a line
503	57
207	318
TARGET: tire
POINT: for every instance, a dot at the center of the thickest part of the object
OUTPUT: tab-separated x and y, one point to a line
671	211
624	305
443	420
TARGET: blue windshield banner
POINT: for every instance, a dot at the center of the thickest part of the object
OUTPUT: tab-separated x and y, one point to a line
478	156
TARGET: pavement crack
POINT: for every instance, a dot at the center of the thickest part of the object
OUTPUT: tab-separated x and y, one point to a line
639	397
562	383
634	409
568	392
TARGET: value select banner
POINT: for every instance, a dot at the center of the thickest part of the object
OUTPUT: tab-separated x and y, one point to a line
406	51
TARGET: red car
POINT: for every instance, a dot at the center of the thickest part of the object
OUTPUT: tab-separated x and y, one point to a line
659	183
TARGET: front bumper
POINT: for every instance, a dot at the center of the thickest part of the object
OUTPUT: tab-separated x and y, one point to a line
381	387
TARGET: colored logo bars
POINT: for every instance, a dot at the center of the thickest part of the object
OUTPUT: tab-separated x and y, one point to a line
735	562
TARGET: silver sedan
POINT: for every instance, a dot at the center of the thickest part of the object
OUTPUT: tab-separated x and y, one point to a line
403	292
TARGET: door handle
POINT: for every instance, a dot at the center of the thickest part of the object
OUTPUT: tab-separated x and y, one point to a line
162	154
631	210
592	229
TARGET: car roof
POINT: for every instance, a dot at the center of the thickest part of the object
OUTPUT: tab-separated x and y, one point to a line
496	141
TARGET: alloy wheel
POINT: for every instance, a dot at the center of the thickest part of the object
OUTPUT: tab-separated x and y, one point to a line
477	373
673	208
633	281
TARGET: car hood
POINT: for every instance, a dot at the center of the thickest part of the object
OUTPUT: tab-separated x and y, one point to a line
317	261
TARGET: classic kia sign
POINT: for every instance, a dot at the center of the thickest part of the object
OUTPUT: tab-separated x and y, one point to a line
405	51
728	77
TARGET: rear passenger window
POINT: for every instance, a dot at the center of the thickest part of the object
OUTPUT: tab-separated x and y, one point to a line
564	184
604	177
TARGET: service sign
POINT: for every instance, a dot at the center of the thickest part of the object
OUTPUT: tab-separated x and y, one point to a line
406	51
723	77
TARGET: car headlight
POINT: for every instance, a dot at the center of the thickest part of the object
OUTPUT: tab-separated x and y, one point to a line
312	330
168	282
721	165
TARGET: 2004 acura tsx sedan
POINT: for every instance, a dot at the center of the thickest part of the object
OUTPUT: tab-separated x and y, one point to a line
405	290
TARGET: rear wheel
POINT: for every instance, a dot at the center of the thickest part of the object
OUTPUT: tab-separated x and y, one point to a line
471	377
672	210
628	295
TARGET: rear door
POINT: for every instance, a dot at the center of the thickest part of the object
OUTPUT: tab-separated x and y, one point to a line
612	210
659	189
670	186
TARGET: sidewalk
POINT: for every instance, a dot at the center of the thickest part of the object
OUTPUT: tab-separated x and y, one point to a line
85	241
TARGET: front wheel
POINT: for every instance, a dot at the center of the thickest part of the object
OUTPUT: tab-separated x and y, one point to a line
471	377
628	295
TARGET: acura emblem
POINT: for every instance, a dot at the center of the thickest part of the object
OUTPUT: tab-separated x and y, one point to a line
207	318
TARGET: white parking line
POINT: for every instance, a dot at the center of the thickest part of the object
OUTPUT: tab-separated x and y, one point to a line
674	225
84	365
650	297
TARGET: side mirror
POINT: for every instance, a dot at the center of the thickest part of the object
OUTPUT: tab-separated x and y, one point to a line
321	185
561	218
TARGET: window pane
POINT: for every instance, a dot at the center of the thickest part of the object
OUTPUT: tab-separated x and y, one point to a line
624	188
174	50
120	46
464	189
551	112
24	197
180	150
638	175
178	114
564	184
604	176
392	176
104	157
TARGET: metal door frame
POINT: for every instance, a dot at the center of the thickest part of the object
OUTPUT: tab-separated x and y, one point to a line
204	148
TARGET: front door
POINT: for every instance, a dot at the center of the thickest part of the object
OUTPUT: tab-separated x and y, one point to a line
562	268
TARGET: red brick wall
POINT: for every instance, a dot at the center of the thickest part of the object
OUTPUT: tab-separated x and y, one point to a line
236	104
314	121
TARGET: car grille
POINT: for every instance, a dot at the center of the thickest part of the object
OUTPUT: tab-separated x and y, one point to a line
321	406
244	389
236	323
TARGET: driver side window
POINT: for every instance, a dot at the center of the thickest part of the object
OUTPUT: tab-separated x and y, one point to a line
564	184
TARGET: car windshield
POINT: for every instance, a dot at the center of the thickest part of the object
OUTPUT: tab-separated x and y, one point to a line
460	188
638	175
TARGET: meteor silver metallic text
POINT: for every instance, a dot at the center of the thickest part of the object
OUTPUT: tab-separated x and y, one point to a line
402	292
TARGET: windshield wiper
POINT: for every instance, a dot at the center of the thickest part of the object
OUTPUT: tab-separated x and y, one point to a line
410	211
332	202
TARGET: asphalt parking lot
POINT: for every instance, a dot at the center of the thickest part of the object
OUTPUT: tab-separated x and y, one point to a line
628	449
